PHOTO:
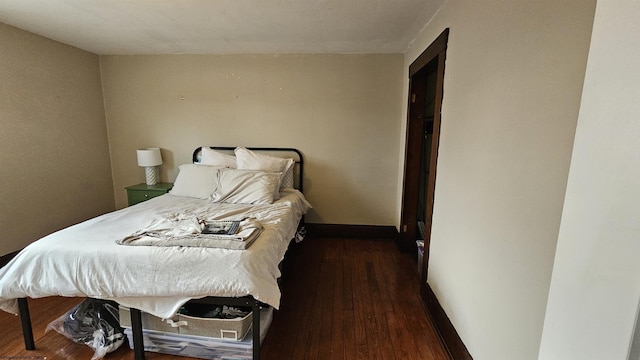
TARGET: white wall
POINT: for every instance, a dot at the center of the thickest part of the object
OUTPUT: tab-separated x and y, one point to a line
595	287
512	86
54	155
341	111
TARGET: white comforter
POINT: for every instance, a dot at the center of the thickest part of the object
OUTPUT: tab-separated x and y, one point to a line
84	259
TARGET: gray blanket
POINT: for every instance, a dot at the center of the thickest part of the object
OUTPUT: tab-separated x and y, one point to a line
188	232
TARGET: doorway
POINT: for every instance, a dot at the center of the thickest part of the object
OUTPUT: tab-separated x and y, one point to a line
426	77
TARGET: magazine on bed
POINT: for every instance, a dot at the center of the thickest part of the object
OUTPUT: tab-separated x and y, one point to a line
218	227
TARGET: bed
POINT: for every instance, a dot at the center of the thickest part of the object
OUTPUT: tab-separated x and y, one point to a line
90	259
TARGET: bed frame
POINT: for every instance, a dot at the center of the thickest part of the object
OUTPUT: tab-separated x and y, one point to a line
248	301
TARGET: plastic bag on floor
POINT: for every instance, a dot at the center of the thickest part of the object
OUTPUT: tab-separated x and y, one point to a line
93	322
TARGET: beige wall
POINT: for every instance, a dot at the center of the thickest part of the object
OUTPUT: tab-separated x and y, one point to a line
512	86
54	154
341	111
595	289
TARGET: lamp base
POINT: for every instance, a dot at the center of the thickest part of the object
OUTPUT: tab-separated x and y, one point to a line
151	174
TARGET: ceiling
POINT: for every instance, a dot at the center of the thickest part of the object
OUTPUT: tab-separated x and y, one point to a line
224	26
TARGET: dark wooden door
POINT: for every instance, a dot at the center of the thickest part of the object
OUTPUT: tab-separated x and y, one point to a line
421	152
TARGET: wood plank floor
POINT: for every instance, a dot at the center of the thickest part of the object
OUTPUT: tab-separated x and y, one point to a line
342	299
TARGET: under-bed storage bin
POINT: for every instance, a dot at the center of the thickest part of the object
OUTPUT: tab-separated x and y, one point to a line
149	322
200	346
229	329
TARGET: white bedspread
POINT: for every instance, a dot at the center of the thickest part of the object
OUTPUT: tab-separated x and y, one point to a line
84	259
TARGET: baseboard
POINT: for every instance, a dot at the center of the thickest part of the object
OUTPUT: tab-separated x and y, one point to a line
448	334
4	259
352	231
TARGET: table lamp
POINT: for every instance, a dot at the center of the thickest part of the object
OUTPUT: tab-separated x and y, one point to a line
150	158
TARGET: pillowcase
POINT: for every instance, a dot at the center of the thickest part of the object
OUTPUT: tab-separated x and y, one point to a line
287	179
245	187
216	158
193	180
249	160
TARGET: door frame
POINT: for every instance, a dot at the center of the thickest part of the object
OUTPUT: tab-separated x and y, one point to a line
413	152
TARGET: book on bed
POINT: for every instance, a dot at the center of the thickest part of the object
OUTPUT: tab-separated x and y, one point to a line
217	227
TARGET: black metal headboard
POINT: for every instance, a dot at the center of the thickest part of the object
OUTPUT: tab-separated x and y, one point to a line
285	153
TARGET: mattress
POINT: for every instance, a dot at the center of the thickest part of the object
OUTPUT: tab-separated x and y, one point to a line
84	260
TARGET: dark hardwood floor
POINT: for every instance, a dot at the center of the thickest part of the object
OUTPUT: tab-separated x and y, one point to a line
342	299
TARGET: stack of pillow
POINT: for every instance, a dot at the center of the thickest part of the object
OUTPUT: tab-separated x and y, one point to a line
246	178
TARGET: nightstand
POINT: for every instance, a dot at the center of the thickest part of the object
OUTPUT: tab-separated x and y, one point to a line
143	192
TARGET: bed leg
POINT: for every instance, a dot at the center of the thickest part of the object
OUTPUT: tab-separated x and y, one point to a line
136	329
256	330
25	318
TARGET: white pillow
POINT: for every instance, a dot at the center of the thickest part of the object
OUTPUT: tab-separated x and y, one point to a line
216	158
249	160
245	187
198	181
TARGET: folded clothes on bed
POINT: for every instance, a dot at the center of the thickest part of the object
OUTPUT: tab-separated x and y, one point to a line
188	232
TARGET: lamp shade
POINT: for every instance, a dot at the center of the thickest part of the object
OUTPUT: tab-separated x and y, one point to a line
149	157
